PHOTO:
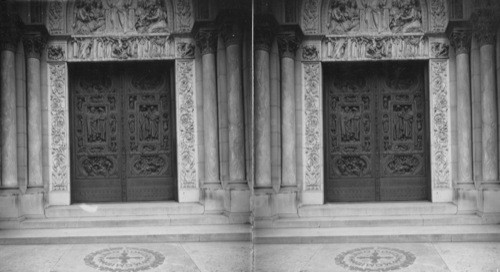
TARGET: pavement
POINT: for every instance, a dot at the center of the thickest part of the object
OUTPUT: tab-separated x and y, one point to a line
243	256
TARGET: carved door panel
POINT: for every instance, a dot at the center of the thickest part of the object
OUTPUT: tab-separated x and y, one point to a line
374	132
123	133
148	135
96	141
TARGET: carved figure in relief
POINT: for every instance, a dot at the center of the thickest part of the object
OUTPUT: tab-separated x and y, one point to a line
97	166
149	123
406	16
118	15
151	17
96	124
351	166
403	123
343	16
403	164
88	17
351	124
374	14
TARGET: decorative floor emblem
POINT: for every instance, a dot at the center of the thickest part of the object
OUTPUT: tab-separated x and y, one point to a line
124	259
375	259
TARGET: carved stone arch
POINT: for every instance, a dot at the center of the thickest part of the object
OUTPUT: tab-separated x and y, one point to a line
70	16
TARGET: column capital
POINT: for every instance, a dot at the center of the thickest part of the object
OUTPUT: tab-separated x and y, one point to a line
484	22
33	45
289	39
206	39
10	32
460	39
230	26
264	30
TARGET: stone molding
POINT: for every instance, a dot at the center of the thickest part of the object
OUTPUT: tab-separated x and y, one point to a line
376	47
33	45
288	43
485	23
58	121
206	40
105	48
461	41
313	145
440	124
186	125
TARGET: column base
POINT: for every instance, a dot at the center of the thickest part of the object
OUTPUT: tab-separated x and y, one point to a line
237	198
442	195
465	197
11	206
32	203
213	198
268	204
189	195
312	198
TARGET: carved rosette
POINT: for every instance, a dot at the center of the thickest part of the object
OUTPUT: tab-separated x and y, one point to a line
33	46
461	41
58	120
186	115
485	24
55	17
206	40
440	129
310	16
312	119
288	43
438	15
310	52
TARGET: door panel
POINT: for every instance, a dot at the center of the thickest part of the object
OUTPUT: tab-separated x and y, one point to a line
122	131
375	132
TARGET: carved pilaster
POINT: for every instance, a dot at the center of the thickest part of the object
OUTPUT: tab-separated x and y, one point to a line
264	32
33	46
206	40
484	24
461	41
288	43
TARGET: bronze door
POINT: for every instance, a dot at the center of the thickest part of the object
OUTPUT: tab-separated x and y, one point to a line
122	131
375	132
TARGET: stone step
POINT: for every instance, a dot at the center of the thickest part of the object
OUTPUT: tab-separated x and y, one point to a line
123	209
372	209
403	234
125	221
206	233
371	221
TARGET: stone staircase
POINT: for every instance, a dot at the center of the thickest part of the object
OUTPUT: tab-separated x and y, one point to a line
376	222
127	222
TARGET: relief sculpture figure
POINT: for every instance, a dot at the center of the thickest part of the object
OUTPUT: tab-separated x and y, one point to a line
374	14
343	17
151	17
403	125
351	124
88	17
406	16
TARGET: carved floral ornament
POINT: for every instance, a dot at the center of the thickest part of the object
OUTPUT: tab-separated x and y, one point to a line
288	43
33	46
485	23
461	41
206	39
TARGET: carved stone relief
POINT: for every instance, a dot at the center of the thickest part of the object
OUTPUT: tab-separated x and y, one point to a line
56	52
461	41
33	46
58	121
184	16
310	52
55	17
438	19
440	126
120	48
439	50
312	121
310	17
186	118
485	24
376	47
122	16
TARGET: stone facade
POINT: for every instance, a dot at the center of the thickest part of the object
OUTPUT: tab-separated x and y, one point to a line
235	144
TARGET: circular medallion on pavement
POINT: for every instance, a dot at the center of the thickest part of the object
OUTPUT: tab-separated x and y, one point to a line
124	259
375	259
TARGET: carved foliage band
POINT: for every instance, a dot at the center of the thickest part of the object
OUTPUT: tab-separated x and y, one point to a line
186	144
55	17
310	16
59	148
438	15
440	146
312	115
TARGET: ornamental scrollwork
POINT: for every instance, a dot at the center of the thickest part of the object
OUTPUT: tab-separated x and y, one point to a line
439	50
438	16
183	15
312	110
185	50
59	147
186	124
55	17
440	125
461	41
310	16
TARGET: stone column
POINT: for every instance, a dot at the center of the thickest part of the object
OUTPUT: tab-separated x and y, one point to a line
207	42
288	43
484	28
262	45
33	44
232	35
461	41
8	137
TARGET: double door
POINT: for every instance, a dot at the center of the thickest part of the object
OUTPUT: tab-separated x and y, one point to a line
375	132
122	132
